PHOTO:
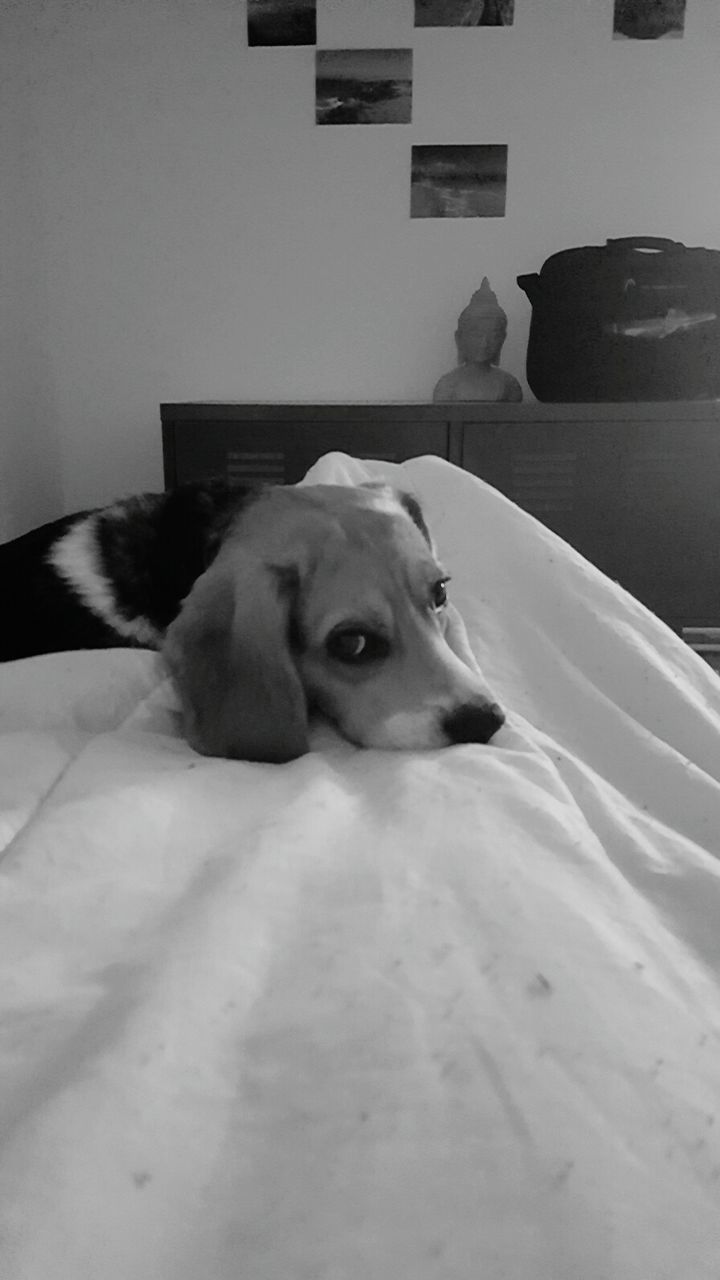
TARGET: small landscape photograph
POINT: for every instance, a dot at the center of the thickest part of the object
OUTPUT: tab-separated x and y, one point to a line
648	19
278	22
363	86
459	181
464	13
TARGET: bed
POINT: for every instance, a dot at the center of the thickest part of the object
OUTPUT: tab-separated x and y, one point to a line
434	1015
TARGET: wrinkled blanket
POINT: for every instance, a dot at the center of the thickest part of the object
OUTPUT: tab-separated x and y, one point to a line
444	1015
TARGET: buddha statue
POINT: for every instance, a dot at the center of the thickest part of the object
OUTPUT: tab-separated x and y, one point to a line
480	334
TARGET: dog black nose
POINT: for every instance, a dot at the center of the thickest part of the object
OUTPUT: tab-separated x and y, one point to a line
473	722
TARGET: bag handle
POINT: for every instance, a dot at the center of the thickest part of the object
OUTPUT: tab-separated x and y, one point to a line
656	243
530	285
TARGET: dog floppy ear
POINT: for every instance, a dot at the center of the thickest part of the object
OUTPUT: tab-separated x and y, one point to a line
228	653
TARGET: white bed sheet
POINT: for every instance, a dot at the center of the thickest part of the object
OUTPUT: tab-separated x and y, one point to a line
446	1015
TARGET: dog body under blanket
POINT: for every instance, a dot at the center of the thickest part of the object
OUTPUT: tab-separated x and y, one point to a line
114	576
268	605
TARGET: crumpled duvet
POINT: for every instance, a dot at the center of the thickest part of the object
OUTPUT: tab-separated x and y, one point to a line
448	1015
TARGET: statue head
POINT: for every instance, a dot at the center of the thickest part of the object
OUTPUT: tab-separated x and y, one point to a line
482	328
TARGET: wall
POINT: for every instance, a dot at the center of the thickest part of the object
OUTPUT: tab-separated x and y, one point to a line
178	227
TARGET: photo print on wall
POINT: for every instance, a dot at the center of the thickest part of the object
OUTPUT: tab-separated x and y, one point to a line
363	86
459	181
278	22
648	19
464	13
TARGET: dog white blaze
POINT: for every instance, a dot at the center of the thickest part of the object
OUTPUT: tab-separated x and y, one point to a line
409	730
75	557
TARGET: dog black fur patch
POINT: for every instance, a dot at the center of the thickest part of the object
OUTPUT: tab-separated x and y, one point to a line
153	547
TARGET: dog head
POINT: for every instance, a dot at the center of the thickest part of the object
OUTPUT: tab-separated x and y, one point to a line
331	598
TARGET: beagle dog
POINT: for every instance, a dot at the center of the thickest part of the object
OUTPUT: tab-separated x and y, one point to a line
329	598
268	607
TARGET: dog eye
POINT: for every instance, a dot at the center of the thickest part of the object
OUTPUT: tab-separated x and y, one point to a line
438	594
356	646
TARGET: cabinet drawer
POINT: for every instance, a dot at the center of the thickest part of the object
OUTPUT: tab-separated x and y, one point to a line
562	473
243	452
637	499
670	518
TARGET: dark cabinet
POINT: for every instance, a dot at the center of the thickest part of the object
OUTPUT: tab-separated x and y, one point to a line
637	496
278	443
634	487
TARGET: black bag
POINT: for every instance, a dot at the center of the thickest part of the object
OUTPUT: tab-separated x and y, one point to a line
635	319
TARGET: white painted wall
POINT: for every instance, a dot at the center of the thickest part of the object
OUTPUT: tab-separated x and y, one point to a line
176	227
